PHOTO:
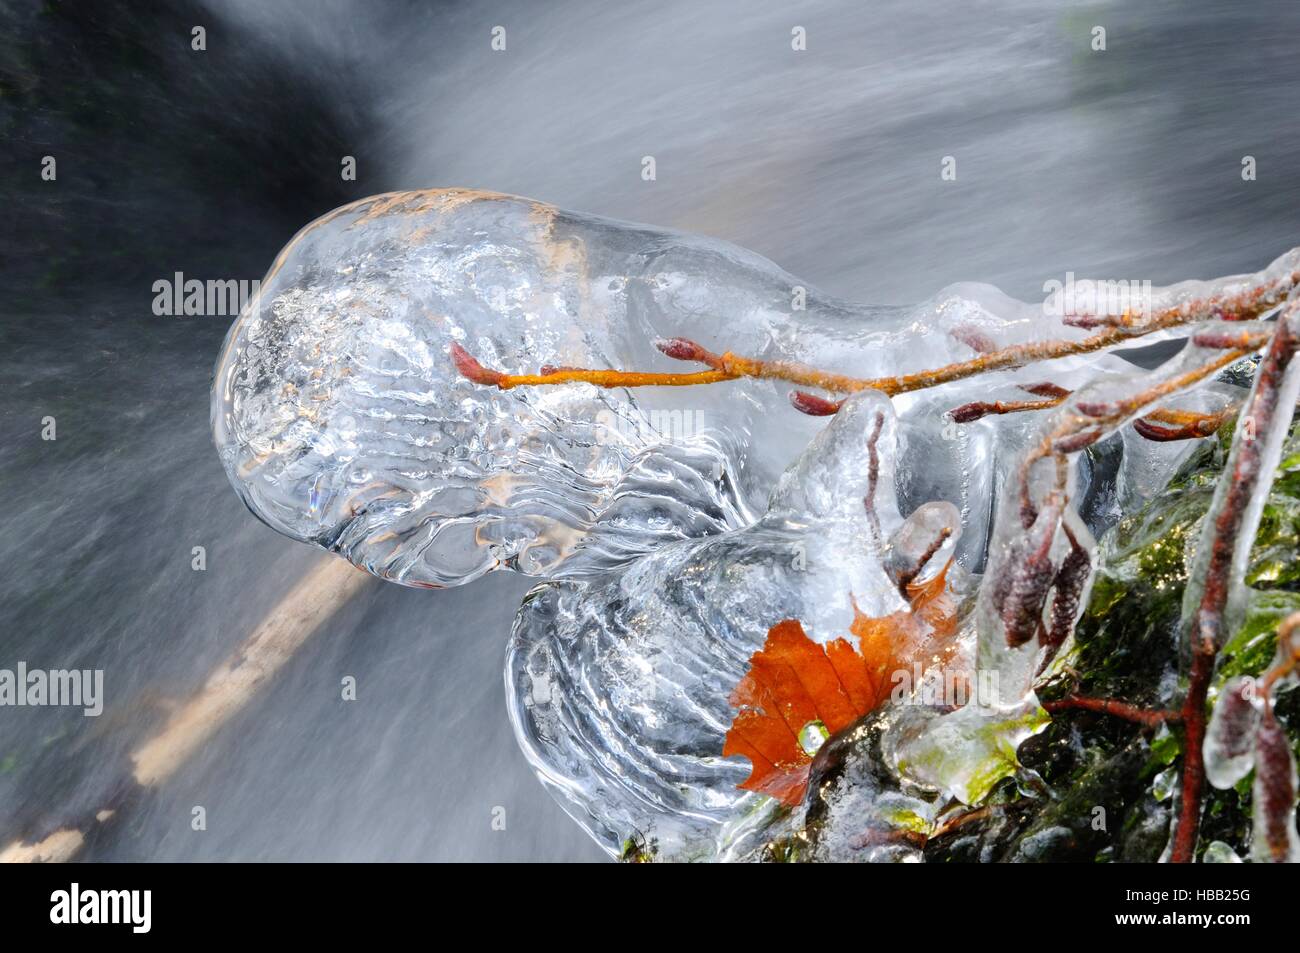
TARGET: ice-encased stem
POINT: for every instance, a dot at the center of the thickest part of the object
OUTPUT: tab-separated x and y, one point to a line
1213	600
1041	553
1038	533
1238	302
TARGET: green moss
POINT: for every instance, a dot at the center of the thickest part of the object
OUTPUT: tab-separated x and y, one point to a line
1251	648
1126	647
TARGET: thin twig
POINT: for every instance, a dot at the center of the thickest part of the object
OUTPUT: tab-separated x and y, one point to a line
1289	651
1109	706
728	366
1240	484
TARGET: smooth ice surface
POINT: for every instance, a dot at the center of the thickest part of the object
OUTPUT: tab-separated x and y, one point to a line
1230	735
342	421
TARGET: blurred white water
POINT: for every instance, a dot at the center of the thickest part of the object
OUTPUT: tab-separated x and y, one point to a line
1118	164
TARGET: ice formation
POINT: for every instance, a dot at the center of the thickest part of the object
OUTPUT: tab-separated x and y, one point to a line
618	687
673	526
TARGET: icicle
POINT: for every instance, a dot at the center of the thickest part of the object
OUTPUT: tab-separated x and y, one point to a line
1040	568
1215	595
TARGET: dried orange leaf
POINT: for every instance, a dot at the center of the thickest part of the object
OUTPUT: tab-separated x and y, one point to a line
798	692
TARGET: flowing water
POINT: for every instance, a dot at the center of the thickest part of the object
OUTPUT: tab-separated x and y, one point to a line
1124	163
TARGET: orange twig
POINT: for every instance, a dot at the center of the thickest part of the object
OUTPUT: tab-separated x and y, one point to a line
1290	654
1159	425
469	367
729	366
1187	425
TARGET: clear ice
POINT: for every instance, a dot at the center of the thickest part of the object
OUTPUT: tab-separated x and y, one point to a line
618	686
671	527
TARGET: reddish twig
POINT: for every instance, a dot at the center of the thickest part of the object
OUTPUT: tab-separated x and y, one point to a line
1149	717
974	338
1242	481
1274	789
1046	389
1193	427
814	406
873	476
976	409
908	576
1160	425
